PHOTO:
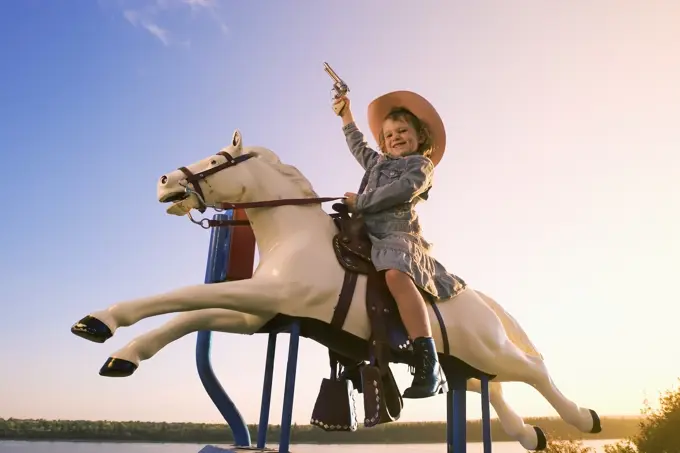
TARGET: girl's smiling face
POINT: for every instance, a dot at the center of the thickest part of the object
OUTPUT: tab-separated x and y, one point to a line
401	138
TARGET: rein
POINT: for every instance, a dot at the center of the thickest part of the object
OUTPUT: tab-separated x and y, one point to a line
212	223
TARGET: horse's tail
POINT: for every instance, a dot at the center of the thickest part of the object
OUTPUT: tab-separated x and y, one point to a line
512	328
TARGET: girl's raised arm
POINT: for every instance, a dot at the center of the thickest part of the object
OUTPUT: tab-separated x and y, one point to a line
364	154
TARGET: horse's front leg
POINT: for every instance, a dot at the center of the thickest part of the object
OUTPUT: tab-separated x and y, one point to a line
256	296
125	361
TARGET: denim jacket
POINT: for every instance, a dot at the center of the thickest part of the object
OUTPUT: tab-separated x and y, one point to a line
391	187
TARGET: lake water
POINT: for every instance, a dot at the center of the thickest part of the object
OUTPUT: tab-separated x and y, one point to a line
92	447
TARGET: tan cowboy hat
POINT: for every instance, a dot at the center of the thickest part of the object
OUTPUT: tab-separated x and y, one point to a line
420	107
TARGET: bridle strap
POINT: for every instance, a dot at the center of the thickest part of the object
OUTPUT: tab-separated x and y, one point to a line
194	180
231	161
191	179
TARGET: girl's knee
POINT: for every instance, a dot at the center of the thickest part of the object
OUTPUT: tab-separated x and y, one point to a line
395	277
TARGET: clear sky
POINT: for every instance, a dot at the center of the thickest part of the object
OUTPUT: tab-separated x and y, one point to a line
557	196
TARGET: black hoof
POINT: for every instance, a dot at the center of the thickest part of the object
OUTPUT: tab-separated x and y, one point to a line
91	329
117	368
541	440
597	425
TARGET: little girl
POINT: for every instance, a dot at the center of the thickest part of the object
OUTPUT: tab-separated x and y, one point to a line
412	137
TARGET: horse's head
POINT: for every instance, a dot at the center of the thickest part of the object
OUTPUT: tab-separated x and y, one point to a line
233	175
195	186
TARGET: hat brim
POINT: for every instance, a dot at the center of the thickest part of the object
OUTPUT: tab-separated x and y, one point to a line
420	107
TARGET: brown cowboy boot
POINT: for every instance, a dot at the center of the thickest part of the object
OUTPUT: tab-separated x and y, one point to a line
428	377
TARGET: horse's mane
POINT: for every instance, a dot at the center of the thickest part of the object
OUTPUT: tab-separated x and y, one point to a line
287	170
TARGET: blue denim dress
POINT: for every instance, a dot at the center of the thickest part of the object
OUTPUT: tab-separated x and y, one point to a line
389	192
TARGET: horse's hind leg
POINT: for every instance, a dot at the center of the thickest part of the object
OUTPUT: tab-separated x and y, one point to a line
530	437
515	365
586	420
125	361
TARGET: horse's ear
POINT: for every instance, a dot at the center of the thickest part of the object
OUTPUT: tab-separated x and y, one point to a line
236	140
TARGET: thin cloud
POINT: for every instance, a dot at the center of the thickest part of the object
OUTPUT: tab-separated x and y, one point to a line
160	33
136	18
199	3
223	27
150	16
210	6
131	16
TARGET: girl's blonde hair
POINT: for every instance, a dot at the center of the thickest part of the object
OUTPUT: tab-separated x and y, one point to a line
404	114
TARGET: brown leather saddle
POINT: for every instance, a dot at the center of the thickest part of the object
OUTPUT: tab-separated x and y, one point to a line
334	409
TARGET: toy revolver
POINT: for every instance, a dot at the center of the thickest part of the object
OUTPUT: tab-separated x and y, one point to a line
339	86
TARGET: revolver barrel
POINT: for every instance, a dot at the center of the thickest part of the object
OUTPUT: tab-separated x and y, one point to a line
331	73
340	87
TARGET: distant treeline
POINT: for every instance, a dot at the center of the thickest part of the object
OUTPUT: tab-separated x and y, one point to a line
425	432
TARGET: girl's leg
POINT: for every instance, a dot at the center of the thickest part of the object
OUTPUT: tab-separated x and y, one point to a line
428	379
411	304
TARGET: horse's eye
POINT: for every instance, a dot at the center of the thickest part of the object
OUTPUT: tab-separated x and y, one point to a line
213	162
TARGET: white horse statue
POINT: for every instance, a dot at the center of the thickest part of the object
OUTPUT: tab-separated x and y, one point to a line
480	332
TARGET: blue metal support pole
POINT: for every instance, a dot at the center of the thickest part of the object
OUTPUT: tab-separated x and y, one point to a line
291	371
216	271
486	414
266	392
456	416
449	420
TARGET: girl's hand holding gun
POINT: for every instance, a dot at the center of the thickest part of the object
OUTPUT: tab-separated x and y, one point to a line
346	113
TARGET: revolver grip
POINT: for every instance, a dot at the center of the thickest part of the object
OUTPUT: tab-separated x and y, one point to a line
339	107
